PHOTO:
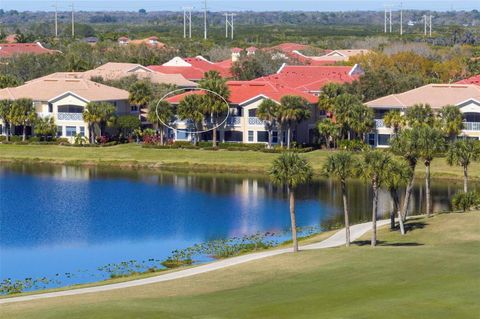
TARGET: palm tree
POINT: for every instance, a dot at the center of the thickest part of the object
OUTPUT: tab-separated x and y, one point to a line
451	121
22	113
405	144
45	126
294	109
291	170
161	113
420	114
431	142
398	173
92	115
268	111
190	110
215	107
372	167
361	120
326	99
463	153
329	130
5	107
140	93
342	165
107	116
395	120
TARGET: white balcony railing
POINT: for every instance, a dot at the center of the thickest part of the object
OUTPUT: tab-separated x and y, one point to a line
379	123
69	116
472	126
255	121
234	120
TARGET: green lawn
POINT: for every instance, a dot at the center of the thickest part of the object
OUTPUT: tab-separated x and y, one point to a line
432	272
199	160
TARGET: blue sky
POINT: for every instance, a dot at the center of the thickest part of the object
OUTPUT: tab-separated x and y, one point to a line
239	5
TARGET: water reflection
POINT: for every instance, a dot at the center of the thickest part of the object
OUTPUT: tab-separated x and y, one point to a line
64	218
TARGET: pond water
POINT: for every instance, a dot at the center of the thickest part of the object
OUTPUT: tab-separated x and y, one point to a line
63	222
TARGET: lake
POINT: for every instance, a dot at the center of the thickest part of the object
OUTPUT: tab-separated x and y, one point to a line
64	222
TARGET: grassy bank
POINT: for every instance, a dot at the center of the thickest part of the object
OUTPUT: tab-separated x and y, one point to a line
131	155
432	272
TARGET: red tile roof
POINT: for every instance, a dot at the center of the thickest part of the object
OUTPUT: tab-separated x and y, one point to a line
237	50
472	80
10	49
310	78
243	91
290	47
197	69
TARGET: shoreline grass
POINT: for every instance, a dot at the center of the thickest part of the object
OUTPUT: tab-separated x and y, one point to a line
431	272
133	156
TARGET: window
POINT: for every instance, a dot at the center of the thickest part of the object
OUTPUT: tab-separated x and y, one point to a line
233	136
82	130
275	137
70	109
262	136
252	112
50	107
250	136
182	135
371	139
71	131
134	108
59	131
1	128
383	139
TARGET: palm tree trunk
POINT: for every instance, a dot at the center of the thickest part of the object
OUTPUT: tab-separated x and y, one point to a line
280	136
288	136
408	192
270	132
465	179
162	131
427	188
24	134
396	207
374	212
214	137
292	219
345	212
7	131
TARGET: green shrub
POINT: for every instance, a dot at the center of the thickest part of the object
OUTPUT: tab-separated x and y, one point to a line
353	145
465	201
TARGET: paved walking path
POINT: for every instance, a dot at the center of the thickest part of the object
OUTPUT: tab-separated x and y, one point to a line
338	239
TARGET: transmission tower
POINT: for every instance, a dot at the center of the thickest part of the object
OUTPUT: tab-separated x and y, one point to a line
229	24
56	19
388	18
401	18
73	19
427	24
205	20
187	18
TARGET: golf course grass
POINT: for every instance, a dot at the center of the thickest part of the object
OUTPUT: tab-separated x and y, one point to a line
431	272
133	155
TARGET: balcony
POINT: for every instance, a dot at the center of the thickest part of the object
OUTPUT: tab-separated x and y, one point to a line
255	121
379	123
234	120
61	116
471	126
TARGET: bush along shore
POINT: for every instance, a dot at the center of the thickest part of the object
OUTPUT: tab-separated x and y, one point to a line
196	254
